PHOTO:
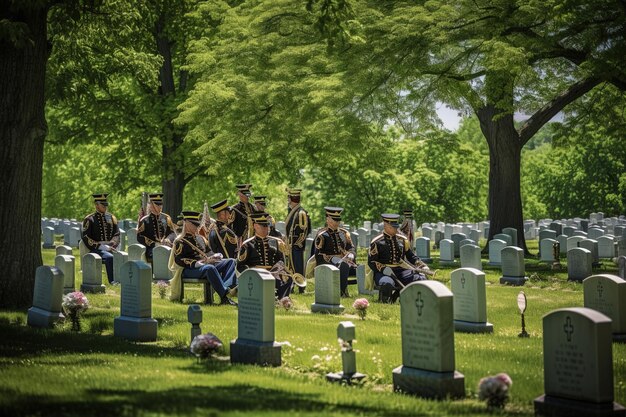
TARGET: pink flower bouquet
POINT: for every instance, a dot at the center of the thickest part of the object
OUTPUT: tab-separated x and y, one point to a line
361	305
495	390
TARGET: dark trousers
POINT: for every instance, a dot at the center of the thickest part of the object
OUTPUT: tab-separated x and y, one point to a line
345	271
221	275
283	289
297	257
149	254
405	276
107	260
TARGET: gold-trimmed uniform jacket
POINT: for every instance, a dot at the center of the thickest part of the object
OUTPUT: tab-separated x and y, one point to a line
331	243
223	240
100	228
152	230
189	249
240	220
386	250
297	226
258	252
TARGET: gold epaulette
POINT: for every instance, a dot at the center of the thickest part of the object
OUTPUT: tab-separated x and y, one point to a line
378	237
247	240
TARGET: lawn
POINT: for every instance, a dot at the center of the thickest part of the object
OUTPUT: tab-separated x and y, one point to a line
60	372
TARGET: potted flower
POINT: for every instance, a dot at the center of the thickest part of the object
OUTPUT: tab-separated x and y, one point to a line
205	345
361	305
495	390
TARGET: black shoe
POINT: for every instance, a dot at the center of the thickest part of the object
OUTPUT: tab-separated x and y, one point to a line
394	296
385	293
345	293
228	301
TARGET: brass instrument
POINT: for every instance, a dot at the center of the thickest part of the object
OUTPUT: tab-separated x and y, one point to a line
426	271
279	271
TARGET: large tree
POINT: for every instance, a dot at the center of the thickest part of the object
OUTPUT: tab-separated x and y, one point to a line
492	58
29	31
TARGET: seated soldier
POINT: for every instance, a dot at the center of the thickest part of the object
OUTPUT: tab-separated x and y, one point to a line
266	252
222	239
260	204
392	260
333	246
101	233
190	251
156	227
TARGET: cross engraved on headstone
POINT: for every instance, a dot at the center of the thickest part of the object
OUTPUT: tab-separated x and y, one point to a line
463	280
419	303
250	287
600	289
568	328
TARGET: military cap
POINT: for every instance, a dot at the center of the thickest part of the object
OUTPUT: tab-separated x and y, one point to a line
407	213
244	189
101	198
220	205
260	218
334	212
156	198
192	216
392	219
294	192
260	199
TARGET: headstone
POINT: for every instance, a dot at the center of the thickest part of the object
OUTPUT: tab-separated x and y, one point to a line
448	230
446	252
595	233
427	232
547	234
592	246
475	236
470	257
255	323
194	316
307	247
562	239
362	237
48	237
160	259
557	227
135	321
131	236
513	267
572	242
47	298
578	264
122	245
360	280
621	267
505	237
75	236
422	249
367	224
428	363
64	250
438	238
584	225
546	250
621	247
512	232
67	265
470	301
495	247
92	274
137	252
569	231
280	226
607	294
619	230
577	365
606	247
346	333
465	242
327	290
119	259
580	233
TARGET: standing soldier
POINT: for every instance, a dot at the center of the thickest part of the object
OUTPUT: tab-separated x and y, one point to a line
260	204
333	246
192	253
156	227
297	226
221	238
391	259
240	220
266	252
101	234
407	226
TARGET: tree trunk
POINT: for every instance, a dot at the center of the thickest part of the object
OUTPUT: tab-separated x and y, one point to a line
505	151
22	132
173	182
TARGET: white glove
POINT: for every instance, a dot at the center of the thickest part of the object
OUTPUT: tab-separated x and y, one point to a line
199	264
351	256
218	256
103	247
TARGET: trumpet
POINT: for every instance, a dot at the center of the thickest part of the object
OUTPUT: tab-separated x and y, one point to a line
279	271
345	258
419	269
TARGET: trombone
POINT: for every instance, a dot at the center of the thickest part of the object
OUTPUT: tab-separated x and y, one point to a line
280	272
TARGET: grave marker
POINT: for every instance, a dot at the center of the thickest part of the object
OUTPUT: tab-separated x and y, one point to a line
470	257
135	321
513	267
327	290
578	264
67	265
47	298
92	274
470	301
607	294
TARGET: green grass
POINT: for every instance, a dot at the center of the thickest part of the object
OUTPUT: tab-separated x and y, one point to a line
59	372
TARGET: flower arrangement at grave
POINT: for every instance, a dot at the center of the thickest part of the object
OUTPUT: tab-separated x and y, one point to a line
162	287
74	304
285	303
205	345
361	305
495	390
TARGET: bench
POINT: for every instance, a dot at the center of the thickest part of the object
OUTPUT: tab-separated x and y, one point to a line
208	289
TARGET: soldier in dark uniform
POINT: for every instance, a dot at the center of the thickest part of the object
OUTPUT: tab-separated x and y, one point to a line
387	252
156	227
264	251
101	233
221	238
298	227
240	220
191	251
407	226
260	204
333	246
